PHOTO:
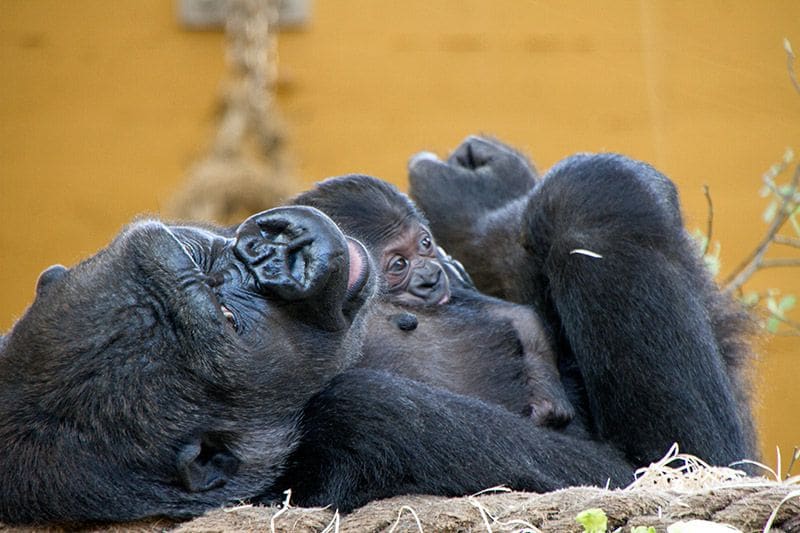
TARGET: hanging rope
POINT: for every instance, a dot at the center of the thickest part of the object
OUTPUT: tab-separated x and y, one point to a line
245	170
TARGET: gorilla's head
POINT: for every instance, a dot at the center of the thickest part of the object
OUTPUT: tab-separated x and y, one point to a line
165	374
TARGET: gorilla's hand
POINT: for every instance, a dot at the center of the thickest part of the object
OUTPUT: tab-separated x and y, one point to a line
483	171
456	273
474	202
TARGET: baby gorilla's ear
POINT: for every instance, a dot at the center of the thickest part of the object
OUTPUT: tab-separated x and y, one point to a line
48	276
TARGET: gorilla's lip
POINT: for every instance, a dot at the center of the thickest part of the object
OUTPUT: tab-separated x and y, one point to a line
358	270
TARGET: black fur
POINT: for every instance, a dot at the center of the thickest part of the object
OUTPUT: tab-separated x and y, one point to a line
127	390
363	206
428	441
642	325
472	344
468	347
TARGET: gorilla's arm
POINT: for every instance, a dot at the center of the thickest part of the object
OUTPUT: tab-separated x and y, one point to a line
547	397
631	297
603	255
372	435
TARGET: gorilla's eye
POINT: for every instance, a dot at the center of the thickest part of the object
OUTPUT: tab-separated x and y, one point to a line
214	280
398	265
195	255
229	316
425	243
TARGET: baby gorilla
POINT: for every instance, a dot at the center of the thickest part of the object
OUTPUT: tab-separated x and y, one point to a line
432	325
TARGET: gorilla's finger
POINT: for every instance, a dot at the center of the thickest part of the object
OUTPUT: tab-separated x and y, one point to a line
456	272
422	156
475	152
425	168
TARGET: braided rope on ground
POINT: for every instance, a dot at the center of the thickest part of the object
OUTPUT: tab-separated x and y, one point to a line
746	507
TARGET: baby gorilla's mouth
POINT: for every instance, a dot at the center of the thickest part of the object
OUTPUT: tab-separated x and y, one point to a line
358	271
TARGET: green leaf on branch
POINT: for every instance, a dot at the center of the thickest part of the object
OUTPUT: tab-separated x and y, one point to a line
713	264
700	241
772	306
710	254
770	211
750	299
773	324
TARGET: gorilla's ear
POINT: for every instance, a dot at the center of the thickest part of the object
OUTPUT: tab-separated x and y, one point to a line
48	276
205	464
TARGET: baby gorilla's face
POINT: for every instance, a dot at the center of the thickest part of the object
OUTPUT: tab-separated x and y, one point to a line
167	370
413	272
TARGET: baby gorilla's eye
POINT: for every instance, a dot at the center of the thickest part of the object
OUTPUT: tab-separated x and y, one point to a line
425	243
398	265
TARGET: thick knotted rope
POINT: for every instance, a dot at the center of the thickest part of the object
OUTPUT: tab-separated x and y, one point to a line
679	488
747	508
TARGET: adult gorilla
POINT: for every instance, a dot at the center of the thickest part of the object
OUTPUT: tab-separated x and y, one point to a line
653	352
183	368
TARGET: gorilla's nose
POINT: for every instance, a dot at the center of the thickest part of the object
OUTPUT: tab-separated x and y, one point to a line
290	251
429	283
427	277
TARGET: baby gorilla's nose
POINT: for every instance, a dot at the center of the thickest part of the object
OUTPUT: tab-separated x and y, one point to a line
290	252
429	283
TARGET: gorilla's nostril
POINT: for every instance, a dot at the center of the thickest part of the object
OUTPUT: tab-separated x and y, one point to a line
272	224
298	244
253	249
294	254
278	253
298	264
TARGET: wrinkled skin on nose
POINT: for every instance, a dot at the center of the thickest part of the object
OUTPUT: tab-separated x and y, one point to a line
295	255
288	252
429	283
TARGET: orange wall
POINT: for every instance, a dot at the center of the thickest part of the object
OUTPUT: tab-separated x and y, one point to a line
104	104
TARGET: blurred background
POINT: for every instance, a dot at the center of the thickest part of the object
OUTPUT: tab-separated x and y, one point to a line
106	107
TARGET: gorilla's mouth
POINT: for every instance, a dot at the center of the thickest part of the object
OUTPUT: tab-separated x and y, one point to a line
358	271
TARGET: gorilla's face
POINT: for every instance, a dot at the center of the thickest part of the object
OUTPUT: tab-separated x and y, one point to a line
167	371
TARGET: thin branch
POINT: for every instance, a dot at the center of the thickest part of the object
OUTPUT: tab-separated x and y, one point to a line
774	263
710	225
790	64
753	262
788	241
790	323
